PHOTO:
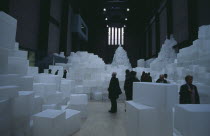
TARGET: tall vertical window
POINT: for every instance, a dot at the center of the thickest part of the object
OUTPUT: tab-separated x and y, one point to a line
122	35
115	36
109	36
119	38
112	34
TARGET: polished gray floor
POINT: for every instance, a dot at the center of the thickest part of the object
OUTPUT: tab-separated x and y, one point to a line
101	123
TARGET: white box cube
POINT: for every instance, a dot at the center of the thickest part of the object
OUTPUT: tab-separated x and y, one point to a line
77	99
7	92
5	116
158	95
4	54
26	83
9	79
49	123
188	116
8	26
141	120
73	121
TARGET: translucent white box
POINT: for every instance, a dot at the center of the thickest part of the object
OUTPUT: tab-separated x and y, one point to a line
3	61
73	121
141	120
26	83
49	123
188	116
158	95
8	26
7	92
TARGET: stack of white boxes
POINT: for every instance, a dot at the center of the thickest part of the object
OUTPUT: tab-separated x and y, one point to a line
17	92
151	109
16	87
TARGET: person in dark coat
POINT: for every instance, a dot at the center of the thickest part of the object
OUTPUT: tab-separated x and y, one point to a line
148	78
49	71
114	92
132	79
143	76
64	73
188	92
161	79
126	84
56	73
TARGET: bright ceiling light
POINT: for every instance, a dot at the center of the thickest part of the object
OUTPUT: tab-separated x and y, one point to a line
126	19
106	18
128	9
104	9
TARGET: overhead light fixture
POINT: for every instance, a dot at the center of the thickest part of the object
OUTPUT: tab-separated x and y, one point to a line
107	25
126	19
104	9
128	9
124	25
106	18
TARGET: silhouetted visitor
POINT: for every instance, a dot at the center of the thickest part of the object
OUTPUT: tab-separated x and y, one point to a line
114	92
126	84
161	79
64	73
143	76
188	92
49	71
148	78
56	73
132	79
165	76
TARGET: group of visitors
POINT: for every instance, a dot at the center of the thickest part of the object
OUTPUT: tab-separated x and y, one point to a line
188	92
56	72
145	77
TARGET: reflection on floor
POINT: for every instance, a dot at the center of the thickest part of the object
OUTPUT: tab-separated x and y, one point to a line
101	123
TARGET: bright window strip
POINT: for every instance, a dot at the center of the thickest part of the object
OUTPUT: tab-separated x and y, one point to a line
109	38
115	36
122	39
119	36
112	35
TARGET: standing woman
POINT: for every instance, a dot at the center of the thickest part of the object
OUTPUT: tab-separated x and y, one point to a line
114	92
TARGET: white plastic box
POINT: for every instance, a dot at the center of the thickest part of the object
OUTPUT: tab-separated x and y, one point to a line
49	123
7	92
5	116
73	121
8	26
192	119
3	61
9	79
26	83
158	95
141	120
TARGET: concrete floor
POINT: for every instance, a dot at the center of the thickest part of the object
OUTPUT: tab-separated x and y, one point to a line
102	123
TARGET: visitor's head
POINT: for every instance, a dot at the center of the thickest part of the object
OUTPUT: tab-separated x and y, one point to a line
161	76
149	74
189	79
49	71
114	74
127	71
143	73
166	75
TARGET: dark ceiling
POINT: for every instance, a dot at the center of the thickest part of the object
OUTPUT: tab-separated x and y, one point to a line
140	11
